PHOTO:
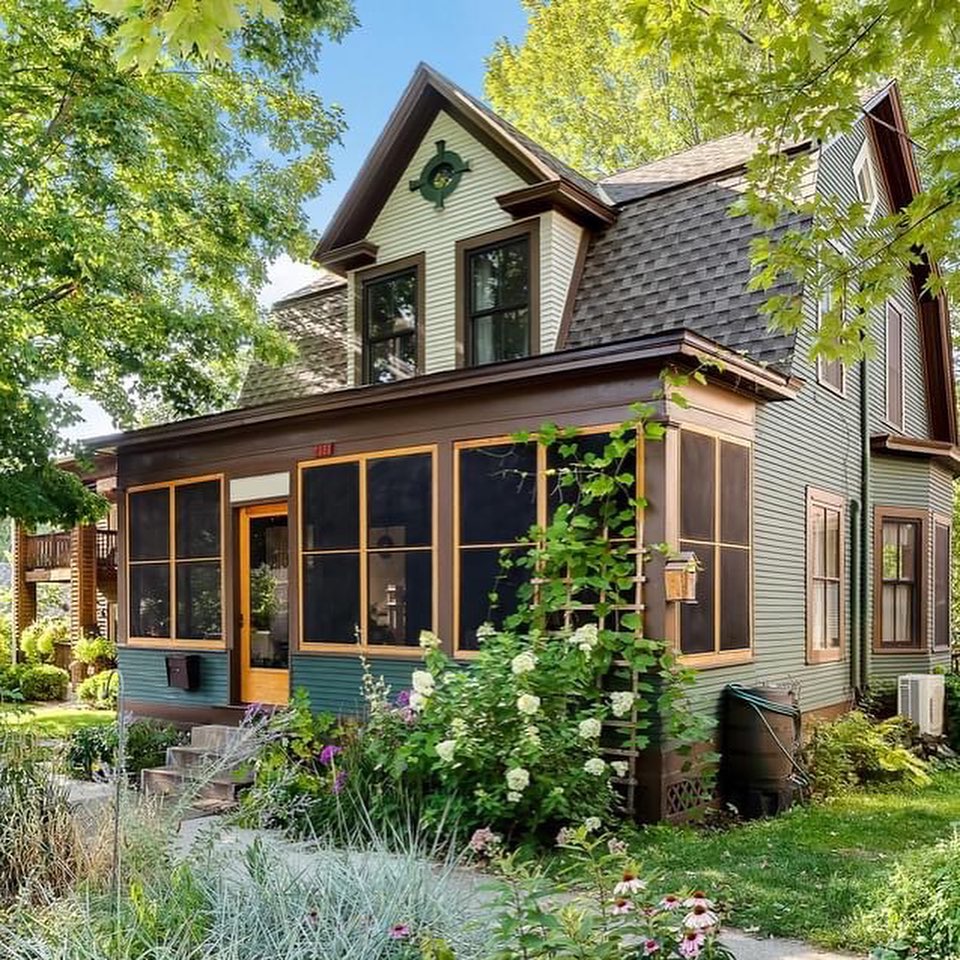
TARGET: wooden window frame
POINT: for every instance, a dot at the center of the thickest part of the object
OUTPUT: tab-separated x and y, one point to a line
363	550
882	514
896	424
718	657
173	642
542	494
940	520
361	278
829	501
864	162
529	228
841	391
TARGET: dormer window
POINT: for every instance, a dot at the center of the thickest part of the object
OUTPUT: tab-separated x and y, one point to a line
391	311
498	280
865	179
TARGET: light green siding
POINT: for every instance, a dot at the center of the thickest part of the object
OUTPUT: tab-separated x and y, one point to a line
334	683
144	675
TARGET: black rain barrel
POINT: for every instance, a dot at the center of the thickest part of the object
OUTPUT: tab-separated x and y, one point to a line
760	739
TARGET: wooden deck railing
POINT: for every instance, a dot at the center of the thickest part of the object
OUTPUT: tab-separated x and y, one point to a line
47	551
107	548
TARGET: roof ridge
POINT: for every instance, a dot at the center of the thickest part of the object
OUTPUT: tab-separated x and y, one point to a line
736	134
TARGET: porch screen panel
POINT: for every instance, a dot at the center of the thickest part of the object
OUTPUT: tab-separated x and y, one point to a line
497	497
197	565
148	521
715	524
367	543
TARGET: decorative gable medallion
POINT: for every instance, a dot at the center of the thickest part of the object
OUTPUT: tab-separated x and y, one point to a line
440	176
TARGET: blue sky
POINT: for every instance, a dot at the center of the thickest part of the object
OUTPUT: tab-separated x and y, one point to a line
365	74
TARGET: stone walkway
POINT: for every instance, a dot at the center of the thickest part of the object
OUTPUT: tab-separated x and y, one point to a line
744	946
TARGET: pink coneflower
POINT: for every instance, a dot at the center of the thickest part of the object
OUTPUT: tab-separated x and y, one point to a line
629	883
621	906
670	902
691	944
698	899
700	918
650	947
399	931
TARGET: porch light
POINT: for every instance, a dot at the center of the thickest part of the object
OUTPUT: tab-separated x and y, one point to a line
680	578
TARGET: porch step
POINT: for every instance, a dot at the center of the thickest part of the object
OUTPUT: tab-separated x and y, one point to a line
191	758
165	781
215	737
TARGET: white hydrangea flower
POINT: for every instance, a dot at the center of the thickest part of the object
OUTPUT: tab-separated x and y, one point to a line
518	779
590	728
620	767
459	727
485	630
417	701
621	702
429	640
423	682
586	637
528	703
514	797
592	824
446	750
595	767
531	732
523	663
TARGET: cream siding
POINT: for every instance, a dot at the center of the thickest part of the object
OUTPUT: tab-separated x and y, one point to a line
560	241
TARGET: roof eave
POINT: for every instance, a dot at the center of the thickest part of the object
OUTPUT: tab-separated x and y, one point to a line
940	451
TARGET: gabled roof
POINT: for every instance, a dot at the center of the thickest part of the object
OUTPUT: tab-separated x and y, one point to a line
427	93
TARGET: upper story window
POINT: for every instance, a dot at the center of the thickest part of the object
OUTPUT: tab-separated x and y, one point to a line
498	290
894	366
391	306
715	522
865	179
831	373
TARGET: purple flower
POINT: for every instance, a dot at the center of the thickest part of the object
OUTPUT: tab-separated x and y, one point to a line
252	712
399	931
402	699
328	753
339	782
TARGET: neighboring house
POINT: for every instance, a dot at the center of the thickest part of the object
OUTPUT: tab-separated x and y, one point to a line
477	286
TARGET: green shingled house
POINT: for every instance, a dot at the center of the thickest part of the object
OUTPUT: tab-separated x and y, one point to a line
475	286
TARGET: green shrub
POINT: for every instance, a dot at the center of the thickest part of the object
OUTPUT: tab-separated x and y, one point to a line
6	641
855	750
35	681
93	649
880	698
37	641
919	913
102	690
952	709
92	750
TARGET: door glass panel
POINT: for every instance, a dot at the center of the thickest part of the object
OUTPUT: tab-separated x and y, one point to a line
269	597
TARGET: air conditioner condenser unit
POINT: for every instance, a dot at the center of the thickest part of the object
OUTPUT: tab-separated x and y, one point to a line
920	696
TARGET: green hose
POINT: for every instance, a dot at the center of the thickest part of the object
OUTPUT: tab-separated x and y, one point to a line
762	704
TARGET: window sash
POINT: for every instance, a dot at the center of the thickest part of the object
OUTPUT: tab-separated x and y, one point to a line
396	337
474	314
941	584
176	562
825	581
364	550
900	595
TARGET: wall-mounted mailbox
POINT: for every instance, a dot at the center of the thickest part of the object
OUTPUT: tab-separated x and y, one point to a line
183	671
680	578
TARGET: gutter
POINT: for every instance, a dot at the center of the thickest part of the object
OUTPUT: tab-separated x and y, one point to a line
863	652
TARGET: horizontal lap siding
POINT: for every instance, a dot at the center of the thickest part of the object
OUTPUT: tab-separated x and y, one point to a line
144	674
334	683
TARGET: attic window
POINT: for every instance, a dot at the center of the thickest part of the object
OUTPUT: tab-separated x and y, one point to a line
391	309
866	180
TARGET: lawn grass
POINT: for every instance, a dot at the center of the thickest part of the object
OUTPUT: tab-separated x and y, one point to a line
53	721
814	872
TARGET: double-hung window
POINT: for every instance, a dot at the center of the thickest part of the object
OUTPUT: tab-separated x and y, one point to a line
825	576
498	290
941	583
900	597
174	562
831	373
390	305
367	549
715	524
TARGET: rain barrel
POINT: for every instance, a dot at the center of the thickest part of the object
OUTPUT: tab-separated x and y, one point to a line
760	739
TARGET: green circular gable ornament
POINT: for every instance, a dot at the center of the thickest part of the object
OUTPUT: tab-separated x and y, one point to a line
440	175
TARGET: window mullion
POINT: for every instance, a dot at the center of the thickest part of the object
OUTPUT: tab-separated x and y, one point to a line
362	554
172	525
718	599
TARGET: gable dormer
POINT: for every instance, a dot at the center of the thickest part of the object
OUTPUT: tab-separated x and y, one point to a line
459	240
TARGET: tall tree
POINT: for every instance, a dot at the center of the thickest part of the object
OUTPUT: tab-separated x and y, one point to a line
577	84
138	211
798	69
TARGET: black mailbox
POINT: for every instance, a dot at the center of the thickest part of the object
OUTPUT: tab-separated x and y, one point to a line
183	671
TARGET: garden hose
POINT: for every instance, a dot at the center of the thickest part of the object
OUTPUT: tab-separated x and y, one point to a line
761	704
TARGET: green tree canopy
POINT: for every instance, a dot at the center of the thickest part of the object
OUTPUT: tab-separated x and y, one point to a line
578	85
139	210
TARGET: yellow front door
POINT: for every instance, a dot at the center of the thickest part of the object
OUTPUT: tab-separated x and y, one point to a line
264	604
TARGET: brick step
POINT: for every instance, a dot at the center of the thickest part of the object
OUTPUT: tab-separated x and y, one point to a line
164	781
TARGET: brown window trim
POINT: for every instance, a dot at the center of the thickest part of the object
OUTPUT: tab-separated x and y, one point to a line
377	650
941	520
529	228
717	657
896	424
172	642
832	501
822	380
901	514
418	262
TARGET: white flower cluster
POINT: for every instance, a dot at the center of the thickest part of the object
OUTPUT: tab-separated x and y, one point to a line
621	702
518	779
585	638
528	704
423	688
590	728
446	750
429	640
620	767
595	767
523	663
